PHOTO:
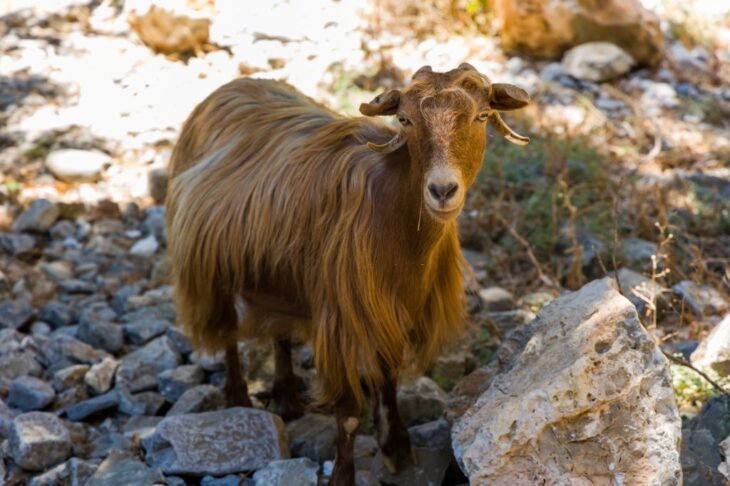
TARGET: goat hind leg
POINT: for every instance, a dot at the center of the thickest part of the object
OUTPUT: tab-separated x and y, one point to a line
347	414
285	392
236	390
393	437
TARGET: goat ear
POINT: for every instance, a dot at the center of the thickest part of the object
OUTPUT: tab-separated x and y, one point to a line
383	104
506	97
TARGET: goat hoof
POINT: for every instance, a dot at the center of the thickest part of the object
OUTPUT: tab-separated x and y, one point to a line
390	465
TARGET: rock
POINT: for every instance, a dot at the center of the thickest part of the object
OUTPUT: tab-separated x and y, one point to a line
640	290
701	458
429	470
200	398
366	446
52	477
174	382
433	435
534	301
217	443
144	403
103	335
714	350
160	353
15	365
38	440
366	478
61	348
77	286
302	471
230	480
69	376
141	332
122	469
6	419
597	61
145	247
637	253
422	401
87	408
79	471
157	180
58	270
545	29
57	314
180	340
724	468
38	217
63	230
72	165
507	321
314	436
701	299
447	370
29	393
17	244
496	299
40	328
587	399
15	314
100	377
167	32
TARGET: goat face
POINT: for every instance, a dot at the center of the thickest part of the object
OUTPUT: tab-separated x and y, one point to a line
442	118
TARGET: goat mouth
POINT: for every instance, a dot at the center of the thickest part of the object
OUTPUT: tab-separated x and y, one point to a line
443	215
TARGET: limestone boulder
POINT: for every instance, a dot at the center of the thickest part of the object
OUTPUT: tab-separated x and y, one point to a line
547	28
587	399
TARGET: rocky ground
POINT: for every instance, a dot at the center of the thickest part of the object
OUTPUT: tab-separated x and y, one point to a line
97	386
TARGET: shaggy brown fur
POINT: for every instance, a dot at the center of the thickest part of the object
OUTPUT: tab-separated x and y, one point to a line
279	200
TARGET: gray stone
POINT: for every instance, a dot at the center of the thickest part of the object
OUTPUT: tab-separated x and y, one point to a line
217	443
174	382
314	436
302	471
79	471
15	365
636	253
181	341
164	311
141	332
69	376
429	470
73	165
534	301
57	314
366	478
38	440
63	230
17	244
54	476
230	480
10	340
154	223
77	286
145	247
586	374
701	299
144	403
57	270
57	348
448	369
121	469
640	290
507	321
700	458
200	398
140	427
6	419
421	401
597	61
87	408
160	352
496	299
100	377
15	314
137	377
157	181
39	216
714	350
432	435
103	335
40	328
29	393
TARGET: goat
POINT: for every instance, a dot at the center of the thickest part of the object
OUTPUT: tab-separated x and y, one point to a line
340	229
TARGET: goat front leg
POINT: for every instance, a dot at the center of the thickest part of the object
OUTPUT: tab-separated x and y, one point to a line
347	414
285	392
393	437
236	389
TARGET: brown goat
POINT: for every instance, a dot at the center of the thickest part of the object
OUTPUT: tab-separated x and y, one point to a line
340	229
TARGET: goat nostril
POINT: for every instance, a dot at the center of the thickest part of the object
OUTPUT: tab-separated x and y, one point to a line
443	192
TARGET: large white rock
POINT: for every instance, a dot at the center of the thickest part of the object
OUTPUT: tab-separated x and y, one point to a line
588	400
597	61
74	165
714	351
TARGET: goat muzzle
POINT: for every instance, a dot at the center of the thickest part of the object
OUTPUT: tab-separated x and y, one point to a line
506	131
391	146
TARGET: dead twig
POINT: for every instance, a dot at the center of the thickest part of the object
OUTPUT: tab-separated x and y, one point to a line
687	364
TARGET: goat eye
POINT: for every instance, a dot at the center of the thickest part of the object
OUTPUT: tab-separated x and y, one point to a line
483	116
404	121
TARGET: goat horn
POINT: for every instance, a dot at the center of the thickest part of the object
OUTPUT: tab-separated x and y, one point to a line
506	131
391	146
425	70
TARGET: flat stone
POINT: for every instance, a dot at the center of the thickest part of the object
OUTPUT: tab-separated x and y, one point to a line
137	377
121	469
144	403
496	299
314	436
17	244
39	216
597	61
73	165
100	377
160	353
199	398
57	348
29	393
15	314
142	332
103	335
217	443
714	350
701	299
77	286
422	401
87	408
174	382
38	440
145	247
302	471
